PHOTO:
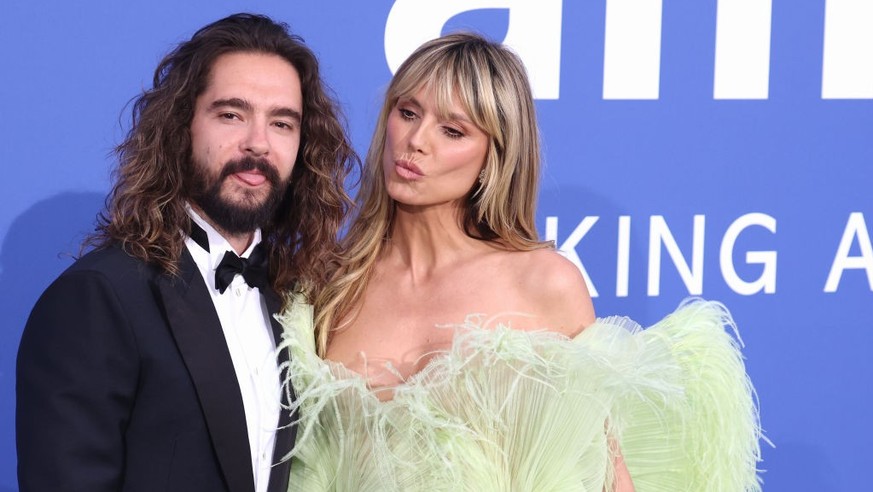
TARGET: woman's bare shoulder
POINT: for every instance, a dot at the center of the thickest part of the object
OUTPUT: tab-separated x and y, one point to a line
556	287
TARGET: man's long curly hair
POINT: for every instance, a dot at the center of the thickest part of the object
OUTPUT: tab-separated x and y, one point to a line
145	211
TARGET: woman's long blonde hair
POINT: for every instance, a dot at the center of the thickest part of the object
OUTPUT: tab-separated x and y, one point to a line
490	83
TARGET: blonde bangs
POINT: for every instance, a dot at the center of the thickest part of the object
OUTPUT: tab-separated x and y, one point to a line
452	77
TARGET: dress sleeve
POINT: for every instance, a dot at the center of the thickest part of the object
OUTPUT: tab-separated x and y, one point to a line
709	437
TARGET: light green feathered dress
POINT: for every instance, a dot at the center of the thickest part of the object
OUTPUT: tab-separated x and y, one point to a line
507	410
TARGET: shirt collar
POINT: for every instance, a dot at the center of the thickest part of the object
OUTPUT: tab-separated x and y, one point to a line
218	245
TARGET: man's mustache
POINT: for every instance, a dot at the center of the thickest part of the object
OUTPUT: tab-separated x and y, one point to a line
251	164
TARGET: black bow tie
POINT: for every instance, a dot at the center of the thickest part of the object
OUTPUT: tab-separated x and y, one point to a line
253	269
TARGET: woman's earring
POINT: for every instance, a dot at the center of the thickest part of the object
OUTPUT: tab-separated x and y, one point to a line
482	176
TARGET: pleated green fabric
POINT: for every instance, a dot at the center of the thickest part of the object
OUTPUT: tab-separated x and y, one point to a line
509	410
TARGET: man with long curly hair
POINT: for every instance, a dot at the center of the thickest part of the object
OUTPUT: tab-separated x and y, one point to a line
150	363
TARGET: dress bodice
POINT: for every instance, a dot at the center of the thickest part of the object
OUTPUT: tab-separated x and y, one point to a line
504	410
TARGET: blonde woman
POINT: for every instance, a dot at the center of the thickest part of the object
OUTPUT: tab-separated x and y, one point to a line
454	350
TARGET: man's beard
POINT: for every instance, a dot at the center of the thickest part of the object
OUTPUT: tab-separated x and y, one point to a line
242	216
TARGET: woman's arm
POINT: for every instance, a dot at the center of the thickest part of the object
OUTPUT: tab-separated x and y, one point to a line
623	482
566	304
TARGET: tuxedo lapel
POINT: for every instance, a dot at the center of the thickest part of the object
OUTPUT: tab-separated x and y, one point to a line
286	432
198	334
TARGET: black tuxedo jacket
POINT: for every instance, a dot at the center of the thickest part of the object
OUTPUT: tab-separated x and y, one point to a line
125	383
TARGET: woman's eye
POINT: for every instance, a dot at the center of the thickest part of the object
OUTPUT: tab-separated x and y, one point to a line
451	132
406	114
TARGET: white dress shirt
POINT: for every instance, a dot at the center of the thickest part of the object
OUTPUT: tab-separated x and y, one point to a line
246	324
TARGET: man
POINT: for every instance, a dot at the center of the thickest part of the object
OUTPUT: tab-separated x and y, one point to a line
149	364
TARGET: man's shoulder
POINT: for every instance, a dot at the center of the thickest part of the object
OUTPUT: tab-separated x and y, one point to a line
107	276
111	262
106	271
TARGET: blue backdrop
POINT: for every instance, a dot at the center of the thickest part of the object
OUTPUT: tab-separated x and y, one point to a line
693	147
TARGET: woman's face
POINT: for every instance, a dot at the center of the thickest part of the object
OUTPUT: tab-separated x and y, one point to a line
429	160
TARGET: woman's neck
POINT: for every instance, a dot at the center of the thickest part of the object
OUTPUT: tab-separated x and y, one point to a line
426	239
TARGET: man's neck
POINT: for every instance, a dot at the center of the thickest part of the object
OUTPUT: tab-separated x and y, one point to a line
239	242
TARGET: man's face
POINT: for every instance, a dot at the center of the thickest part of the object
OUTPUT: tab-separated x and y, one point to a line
245	134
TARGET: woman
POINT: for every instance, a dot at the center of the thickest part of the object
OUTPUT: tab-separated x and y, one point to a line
462	353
